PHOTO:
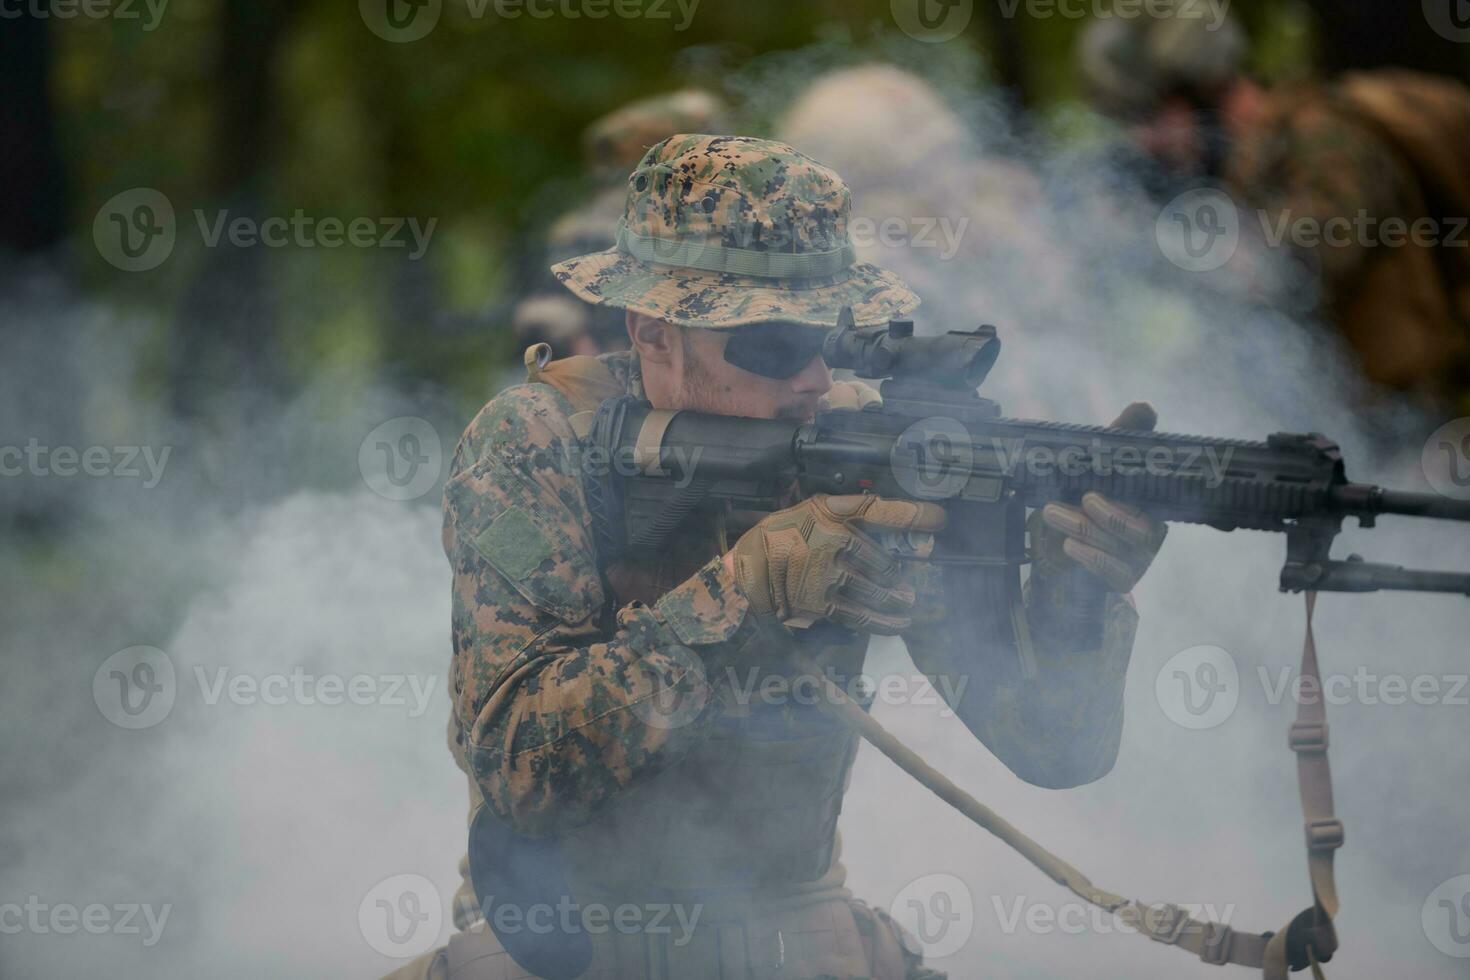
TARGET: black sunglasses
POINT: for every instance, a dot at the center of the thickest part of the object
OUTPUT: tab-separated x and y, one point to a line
774	350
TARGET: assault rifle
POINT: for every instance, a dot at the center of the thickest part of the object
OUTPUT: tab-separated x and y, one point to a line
935	438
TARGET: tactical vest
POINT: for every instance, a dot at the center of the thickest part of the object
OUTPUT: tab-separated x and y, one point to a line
755	805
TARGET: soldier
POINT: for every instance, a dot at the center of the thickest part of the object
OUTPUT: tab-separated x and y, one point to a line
961	226
732	265
1349	161
611	147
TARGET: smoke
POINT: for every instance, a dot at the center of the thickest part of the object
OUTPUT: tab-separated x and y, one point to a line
1065	255
296	590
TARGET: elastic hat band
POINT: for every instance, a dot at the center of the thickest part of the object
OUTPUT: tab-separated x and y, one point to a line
734	261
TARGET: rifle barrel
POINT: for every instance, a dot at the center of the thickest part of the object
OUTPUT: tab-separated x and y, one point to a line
1359	498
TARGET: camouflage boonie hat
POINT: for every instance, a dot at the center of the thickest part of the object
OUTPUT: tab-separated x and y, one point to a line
615	143
722	231
1131	64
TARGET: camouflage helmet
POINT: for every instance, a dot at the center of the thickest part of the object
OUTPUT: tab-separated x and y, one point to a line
614	144
591	227
554	319
1129	65
721	231
847	119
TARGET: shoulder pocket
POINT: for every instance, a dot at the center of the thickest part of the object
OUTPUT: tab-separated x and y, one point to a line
526	542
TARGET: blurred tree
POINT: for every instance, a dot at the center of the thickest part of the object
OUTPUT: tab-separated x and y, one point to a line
32	205
225	337
1376	33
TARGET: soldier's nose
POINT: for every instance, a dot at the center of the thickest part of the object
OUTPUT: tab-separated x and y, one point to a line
814	379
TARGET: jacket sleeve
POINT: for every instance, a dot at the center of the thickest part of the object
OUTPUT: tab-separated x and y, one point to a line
562	702
1042	686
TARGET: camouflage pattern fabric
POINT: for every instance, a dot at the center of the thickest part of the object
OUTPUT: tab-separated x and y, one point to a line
547	679
1317	158
699	206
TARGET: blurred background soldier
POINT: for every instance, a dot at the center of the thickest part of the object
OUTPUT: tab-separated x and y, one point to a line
1367	175
959	221
611	146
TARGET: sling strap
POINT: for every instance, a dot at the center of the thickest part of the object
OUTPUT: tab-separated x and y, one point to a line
1309	939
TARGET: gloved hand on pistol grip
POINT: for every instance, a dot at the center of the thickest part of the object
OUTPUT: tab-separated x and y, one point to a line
819	561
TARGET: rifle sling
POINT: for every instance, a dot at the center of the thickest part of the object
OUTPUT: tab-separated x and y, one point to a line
1307	940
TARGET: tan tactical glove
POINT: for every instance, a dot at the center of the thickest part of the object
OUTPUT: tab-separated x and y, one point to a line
1117	544
818	561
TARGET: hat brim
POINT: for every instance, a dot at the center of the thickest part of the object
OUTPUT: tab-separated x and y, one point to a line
717	301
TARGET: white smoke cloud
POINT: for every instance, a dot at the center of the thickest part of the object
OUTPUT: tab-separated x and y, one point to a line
265	827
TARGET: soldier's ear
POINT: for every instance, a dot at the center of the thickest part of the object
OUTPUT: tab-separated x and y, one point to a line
652	339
